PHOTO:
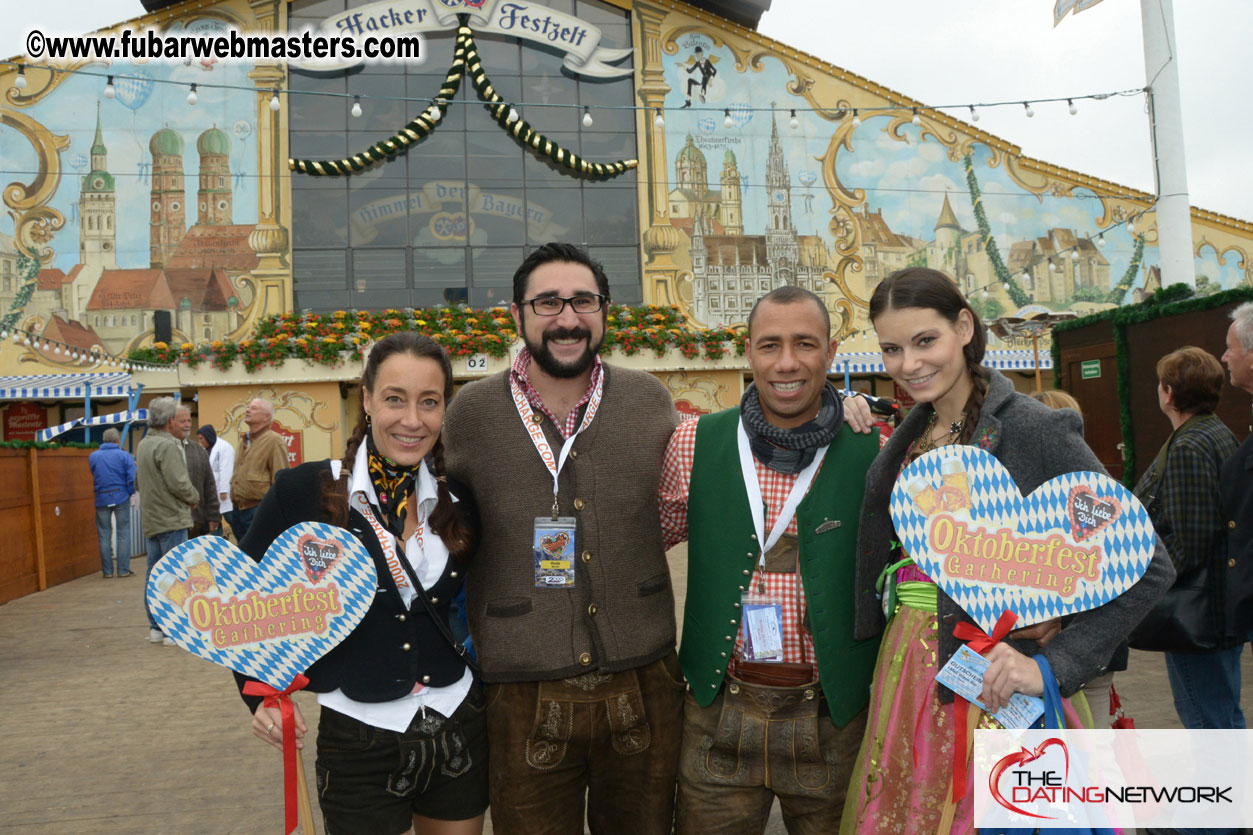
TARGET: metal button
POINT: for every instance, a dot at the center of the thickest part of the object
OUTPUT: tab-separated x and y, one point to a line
724	655
809	694
734	688
733	622
401	617
729	637
452	574
537	417
753	537
405	647
737	605
742	588
1231	524
591	610
434	600
426	679
578	504
746	572
574	453
587	556
1231	563
714	686
751	555
585	659
717	671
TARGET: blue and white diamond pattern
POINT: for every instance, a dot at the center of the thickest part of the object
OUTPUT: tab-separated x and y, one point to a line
1126	544
276	661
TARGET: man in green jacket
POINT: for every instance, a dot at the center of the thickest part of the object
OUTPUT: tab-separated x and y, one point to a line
166	494
767	496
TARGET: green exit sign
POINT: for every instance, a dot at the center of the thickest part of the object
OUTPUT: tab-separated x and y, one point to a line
1090	369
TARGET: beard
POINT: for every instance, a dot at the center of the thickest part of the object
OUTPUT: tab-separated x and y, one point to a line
554	367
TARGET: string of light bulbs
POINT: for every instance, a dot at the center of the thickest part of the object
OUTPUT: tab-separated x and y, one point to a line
356	108
77	354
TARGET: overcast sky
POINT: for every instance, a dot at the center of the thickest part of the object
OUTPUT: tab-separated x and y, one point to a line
970	51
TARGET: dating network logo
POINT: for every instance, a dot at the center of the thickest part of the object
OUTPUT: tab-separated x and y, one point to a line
1030	787
1038	784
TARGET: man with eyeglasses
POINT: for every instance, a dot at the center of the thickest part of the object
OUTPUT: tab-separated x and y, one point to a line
569	595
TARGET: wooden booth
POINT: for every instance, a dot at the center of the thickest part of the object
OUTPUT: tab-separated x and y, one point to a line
1108	361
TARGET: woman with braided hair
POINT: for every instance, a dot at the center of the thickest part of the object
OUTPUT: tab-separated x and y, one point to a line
402	737
933	345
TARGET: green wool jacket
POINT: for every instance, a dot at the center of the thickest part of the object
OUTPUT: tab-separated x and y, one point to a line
722	553
165	492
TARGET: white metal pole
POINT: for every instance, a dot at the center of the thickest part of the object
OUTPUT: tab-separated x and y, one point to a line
1161	68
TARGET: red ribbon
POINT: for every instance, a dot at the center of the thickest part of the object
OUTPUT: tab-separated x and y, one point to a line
980	642
282	698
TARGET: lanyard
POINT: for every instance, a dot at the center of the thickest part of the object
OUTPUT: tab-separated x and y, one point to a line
537	434
756	503
392	554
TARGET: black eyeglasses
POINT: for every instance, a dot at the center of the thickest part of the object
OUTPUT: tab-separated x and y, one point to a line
553	305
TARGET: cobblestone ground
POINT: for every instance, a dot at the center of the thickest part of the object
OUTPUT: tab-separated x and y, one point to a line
104	732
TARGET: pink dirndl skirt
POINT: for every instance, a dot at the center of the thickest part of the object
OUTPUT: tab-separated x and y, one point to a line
907	721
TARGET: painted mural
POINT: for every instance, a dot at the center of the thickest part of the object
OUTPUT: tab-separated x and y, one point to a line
138	202
773	168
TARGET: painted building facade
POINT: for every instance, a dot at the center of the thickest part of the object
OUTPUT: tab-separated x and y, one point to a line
769	167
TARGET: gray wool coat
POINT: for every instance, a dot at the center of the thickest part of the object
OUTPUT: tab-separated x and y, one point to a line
1035	443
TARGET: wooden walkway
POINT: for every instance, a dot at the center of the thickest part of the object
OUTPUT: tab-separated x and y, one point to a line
104	732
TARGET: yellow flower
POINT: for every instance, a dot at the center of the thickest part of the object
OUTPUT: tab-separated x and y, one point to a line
420	323
186	346
160	346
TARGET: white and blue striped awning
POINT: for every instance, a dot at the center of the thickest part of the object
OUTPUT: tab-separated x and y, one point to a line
137	416
871	362
64	386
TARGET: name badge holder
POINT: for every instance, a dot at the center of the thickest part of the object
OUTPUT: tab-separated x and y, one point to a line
762	627
553	548
762	621
553	543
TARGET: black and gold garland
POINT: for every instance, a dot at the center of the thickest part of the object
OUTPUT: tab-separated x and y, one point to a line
465	58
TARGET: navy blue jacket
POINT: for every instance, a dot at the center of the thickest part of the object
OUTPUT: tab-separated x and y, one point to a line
113	474
394	645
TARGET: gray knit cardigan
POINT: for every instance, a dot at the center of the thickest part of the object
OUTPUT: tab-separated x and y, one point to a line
620	613
1035	444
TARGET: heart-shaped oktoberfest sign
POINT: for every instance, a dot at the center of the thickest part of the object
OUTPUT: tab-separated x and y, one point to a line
269	620
1077	542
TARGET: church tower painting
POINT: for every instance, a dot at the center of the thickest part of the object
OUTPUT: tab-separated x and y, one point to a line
782	250
732	201
168	222
690	168
213	198
97	208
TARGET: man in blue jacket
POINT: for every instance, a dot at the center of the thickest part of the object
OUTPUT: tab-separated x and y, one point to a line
113	475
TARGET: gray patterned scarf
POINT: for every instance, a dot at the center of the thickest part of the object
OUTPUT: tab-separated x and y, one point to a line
790	450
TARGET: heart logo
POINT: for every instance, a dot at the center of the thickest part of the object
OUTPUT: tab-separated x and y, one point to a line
269	620
554	545
1077	542
1089	513
318	555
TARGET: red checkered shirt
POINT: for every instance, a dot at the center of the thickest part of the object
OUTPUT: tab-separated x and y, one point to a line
676	479
571	424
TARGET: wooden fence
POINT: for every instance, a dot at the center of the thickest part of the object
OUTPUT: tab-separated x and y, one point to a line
47	519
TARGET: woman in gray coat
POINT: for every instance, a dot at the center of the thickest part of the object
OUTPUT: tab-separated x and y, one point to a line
933	345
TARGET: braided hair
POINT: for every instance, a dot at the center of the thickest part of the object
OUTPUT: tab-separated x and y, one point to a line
930	289
452	528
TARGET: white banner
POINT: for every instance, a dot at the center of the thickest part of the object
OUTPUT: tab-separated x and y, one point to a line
1058	779
579	39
